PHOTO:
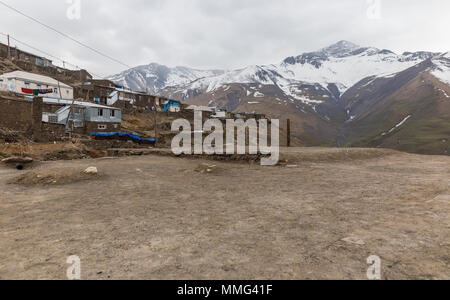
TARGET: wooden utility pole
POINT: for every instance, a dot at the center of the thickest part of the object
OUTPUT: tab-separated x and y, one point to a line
155	114
288	132
9	48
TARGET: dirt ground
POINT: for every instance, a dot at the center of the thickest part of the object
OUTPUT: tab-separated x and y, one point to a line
155	217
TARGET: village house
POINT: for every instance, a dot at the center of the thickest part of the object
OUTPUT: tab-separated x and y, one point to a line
95	91
105	92
134	98
83	117
172	106
17	54
23	83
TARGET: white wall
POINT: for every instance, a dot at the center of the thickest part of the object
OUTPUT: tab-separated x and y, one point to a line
174	109
66	93
4	84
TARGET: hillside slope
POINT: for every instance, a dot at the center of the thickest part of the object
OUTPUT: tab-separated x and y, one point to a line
409	112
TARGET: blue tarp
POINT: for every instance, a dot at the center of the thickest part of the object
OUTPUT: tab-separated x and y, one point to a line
120	134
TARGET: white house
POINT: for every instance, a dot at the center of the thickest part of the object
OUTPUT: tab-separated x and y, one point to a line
17	81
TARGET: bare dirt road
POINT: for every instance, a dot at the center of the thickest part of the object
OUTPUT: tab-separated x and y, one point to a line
157	217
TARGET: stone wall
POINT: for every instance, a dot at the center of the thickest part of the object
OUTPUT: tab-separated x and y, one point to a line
94	127
26	117
16	114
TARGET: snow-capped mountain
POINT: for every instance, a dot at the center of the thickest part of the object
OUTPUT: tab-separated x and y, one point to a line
343	94
341	65
154	77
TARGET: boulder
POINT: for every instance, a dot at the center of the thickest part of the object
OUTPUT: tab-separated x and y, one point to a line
91	171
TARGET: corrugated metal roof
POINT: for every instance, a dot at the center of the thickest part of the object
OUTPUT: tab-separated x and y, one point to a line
69	102
34	77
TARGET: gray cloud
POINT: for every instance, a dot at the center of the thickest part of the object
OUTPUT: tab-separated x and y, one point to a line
223	34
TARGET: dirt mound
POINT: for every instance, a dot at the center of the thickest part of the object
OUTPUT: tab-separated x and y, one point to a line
53	177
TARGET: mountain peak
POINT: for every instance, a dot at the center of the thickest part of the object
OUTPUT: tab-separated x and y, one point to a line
344	45
340	48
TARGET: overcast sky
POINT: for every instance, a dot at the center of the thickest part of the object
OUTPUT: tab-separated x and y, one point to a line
223	34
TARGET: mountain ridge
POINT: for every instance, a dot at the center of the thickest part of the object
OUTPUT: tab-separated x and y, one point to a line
340	95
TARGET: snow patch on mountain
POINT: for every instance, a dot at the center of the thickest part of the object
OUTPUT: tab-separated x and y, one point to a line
444	92
442	69
344	69
397	126
249	75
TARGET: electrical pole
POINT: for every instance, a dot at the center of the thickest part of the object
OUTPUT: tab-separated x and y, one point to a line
289	133
156	122
9	48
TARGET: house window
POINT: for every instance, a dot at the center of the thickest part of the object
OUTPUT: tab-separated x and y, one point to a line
27	85
78	124
102	127
38	86
113	113
100	112
55	90
78	111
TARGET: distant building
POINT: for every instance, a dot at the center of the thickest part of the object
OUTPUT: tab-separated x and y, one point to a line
105	92
220	113
20	82
172	106
18	54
